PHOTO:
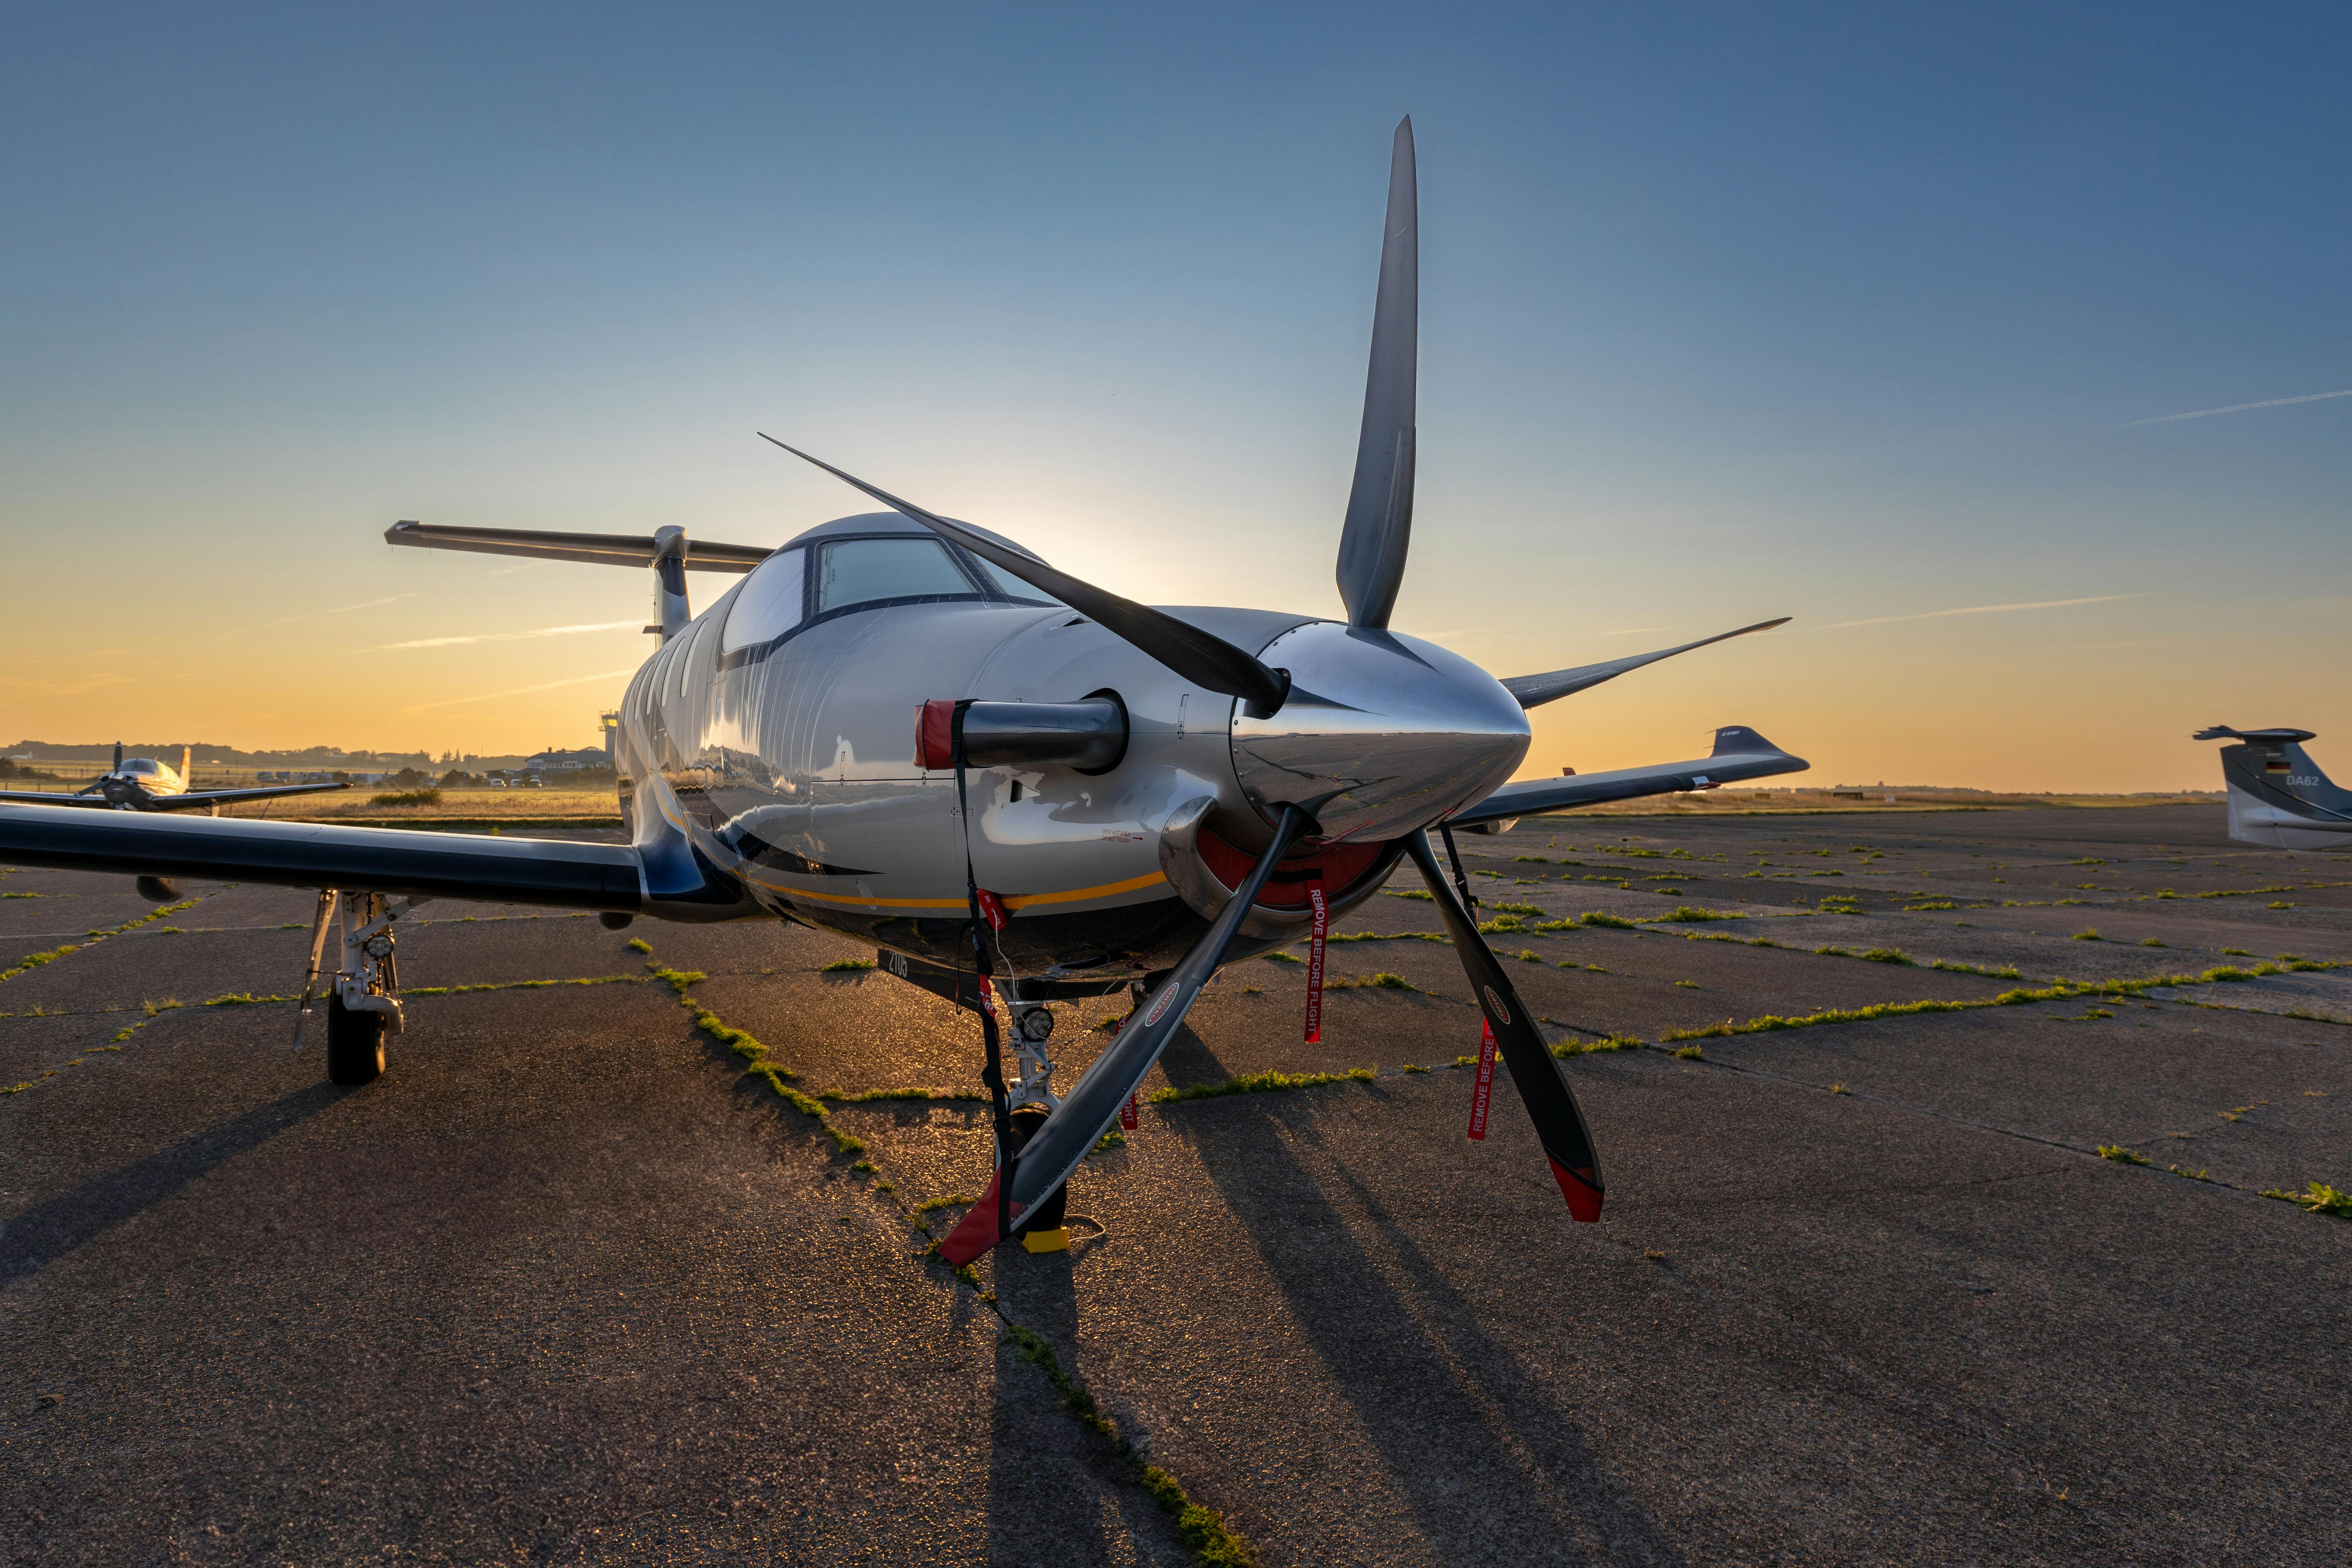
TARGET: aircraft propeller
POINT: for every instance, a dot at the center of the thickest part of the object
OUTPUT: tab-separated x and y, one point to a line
1047	1161
1374	542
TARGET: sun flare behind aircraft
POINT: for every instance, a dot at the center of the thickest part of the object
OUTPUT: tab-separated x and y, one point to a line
1011	780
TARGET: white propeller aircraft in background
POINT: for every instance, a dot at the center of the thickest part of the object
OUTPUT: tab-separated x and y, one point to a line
915	731
143	784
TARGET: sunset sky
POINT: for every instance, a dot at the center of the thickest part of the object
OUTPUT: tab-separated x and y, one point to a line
1878	319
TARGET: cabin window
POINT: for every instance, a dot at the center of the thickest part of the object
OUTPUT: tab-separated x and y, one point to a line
859	571
769	604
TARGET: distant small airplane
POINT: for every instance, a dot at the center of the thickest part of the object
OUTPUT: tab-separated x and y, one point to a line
142	784
1013	783
2278	796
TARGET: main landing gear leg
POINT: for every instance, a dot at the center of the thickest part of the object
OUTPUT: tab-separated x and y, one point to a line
364	1000
1033	1099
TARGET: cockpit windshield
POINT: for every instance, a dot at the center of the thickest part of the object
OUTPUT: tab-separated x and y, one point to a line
812	581
860	571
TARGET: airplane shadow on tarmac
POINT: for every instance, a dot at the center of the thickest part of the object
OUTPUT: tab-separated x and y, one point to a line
1448	1408
42	1235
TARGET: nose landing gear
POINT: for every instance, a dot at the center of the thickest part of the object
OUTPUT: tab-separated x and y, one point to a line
1033	1099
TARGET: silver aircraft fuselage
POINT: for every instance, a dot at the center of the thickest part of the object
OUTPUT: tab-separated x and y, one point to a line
769	754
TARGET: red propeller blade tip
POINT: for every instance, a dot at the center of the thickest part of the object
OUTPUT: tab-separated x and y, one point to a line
1583	1193
976	1232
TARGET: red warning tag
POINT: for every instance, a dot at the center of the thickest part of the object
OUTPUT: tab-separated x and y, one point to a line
1484	1093
987	997
1127	1114
1319	932
992	910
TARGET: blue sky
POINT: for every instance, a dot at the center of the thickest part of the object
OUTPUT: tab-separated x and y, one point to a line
1842	312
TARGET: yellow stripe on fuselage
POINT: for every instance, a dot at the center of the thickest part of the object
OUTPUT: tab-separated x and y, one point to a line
1012	901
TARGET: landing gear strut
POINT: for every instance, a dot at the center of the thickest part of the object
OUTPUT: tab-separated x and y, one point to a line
1033	1099
363	998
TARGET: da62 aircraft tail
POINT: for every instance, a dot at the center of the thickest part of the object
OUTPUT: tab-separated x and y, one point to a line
915	731
2278	796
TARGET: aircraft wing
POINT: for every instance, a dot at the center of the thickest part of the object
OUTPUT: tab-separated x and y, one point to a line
44	797
1740	754
194	797
558	873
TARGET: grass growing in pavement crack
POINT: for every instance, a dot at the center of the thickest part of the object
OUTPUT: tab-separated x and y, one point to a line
151	1011
2320	1199
522	985
776	1075
1204	1531
33	961
1259	1083
844	965
1586	1047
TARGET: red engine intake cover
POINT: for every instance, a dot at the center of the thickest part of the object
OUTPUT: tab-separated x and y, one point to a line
935	733
1287	888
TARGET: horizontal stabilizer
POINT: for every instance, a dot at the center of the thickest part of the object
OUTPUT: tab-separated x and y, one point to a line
599	549
2224	732
558	873
1750	756
1532	690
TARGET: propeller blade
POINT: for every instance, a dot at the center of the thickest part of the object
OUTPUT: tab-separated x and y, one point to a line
1085	1114
1533	691
117	756
1378	528
1551	1103
1199	656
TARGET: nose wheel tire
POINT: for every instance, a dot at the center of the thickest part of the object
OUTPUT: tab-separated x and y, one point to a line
355	1045
1047	1214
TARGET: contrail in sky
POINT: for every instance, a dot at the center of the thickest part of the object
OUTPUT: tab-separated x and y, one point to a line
2242	407
513	636
314	615
1980	610
521	690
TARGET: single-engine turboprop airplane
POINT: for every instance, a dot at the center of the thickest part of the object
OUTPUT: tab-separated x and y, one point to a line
2278	796
144	783
913	730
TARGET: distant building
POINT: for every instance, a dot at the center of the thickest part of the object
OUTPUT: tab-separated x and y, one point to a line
567	761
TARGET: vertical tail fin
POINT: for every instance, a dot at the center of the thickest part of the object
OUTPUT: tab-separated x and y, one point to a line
2278	795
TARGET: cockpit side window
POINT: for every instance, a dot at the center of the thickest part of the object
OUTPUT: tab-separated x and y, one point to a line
862	571
769	604
1011	587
